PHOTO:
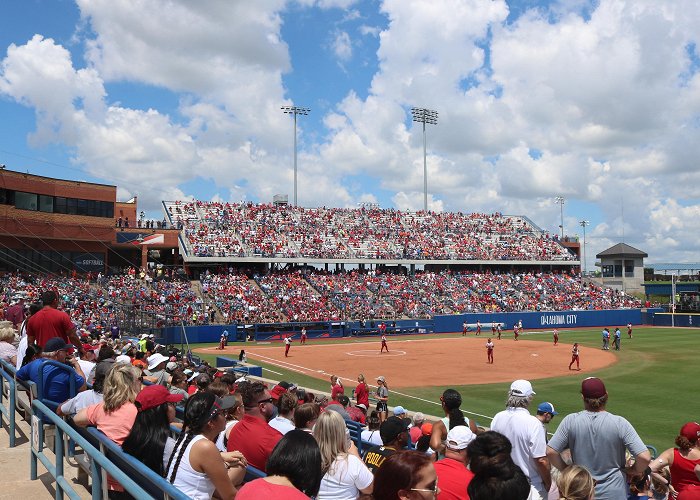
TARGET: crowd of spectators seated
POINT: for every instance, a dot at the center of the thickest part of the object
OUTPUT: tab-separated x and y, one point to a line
215	229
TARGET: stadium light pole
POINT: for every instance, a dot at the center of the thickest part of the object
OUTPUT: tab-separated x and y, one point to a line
583	224
295	110
560	200
429	116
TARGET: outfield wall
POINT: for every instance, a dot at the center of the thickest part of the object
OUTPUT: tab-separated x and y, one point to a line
440	324
679	319
541	320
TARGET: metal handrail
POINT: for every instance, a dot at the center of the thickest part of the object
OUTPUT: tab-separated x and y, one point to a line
8	374
99	461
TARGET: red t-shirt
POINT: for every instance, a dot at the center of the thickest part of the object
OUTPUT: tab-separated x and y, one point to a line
336	391
47	324
260	488
253	437
361	394
453	478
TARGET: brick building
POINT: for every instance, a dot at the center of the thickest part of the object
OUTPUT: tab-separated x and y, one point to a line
55	225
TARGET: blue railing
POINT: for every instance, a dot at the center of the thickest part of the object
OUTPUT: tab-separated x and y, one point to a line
98	462
8	410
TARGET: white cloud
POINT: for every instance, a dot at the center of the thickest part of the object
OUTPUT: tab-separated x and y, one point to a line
342	46
603	110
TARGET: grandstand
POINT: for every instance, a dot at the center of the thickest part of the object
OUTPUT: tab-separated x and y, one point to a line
247	232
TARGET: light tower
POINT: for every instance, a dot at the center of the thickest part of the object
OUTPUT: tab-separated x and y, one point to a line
295	110
429	116
560	200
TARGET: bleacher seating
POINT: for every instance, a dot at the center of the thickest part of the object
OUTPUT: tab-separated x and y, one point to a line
215	229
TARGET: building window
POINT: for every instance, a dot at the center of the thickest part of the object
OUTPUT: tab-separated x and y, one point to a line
45	203
26	201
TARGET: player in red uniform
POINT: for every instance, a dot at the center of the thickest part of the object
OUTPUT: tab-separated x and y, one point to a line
384	344
493	329
515	331
464	329
555	334
498	329
478	327
489	351
574	357
303	335
287	345
629	330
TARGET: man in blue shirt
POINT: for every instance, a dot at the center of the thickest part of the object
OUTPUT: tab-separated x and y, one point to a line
56	380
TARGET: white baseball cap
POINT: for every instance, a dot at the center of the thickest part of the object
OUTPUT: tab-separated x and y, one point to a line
459	437
521	388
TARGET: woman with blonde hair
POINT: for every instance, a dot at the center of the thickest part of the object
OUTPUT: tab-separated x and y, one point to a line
116	414
8	352
344	474
382	395
576	483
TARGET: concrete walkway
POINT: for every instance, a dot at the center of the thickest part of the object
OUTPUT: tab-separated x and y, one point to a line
14	469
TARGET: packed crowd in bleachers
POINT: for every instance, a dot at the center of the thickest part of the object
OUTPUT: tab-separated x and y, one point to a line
214	229
241	296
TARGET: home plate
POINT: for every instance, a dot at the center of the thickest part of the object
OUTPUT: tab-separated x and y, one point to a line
534	354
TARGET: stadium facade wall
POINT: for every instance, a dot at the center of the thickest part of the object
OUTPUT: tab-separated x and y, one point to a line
541	320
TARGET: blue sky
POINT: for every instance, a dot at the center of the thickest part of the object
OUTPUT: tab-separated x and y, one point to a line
596	101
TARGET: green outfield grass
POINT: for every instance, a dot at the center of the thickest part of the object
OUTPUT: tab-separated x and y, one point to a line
654	384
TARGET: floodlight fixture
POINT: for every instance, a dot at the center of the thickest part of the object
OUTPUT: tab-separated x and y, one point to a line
295	110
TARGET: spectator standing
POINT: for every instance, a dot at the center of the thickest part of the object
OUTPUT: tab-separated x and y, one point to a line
382	395
15	313
336	388
682	460
361	392
529	447
453	475
24	341
545	414
252	436
49	322
450	401
495	474
598	441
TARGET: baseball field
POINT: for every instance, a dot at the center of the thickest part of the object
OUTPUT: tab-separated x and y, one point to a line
652	381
